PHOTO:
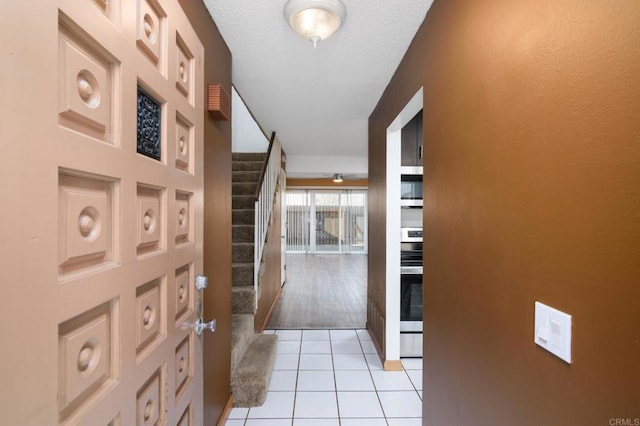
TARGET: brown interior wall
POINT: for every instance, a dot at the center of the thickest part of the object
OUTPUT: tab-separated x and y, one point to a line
532	170
376	231
270	282
217	218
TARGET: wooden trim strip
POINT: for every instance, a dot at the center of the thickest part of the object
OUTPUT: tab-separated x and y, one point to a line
225	412
393	365
268	316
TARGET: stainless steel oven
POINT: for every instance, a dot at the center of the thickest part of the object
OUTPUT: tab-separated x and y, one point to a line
410	249
411	187
411	292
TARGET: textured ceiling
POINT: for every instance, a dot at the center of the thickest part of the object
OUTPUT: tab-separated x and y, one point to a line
317	100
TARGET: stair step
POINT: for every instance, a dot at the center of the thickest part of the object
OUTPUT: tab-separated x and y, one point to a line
239	166
242	333
242	274
243	188
242	252
242	233
248	156
243	300
243	217
245	176
250	380
243	202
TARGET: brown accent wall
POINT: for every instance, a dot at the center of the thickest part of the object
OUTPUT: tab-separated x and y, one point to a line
217	218
322	182
270	282
532	193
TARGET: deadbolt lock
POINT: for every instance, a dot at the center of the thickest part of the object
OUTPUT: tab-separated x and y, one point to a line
201	282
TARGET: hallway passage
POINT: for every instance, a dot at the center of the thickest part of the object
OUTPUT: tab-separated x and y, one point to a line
322	291
332	378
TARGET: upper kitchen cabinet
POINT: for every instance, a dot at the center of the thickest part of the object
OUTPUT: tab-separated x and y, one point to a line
411	154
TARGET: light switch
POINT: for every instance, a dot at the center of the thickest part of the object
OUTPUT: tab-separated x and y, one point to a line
553	331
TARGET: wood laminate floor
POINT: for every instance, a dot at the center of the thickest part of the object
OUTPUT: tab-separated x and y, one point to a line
322	291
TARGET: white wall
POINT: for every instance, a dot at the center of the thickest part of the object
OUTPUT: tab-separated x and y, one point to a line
246	135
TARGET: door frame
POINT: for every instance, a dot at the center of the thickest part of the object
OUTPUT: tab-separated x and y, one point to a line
393	147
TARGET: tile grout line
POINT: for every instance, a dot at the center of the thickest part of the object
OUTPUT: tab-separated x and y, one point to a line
375	387
332	355
335	381
295	389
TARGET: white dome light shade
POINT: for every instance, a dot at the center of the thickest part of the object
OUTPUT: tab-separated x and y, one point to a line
315	20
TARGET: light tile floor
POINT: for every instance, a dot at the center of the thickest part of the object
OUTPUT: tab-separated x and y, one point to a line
334	377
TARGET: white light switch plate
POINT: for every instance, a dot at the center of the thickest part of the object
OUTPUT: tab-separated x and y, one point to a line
553	331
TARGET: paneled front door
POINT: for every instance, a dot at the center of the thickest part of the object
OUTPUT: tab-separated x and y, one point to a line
101	215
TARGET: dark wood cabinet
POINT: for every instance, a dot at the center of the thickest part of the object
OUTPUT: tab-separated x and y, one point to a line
411	142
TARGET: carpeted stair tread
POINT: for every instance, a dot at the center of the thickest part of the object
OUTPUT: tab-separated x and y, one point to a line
247	166
248	156
252	356
242	333
243	217
250	380
243	202
242	233
243	188
242	274
246	176
243	299
242	252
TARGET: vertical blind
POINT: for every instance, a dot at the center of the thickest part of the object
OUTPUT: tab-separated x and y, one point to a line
298	211
326	221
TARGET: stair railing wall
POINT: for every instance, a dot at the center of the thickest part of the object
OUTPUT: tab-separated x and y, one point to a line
264	197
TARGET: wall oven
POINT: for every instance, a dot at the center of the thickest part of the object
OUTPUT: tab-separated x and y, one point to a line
411	292
411	187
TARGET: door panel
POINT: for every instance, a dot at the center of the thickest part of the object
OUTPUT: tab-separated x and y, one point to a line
107	182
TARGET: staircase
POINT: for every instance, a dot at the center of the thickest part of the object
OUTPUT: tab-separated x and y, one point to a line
252	355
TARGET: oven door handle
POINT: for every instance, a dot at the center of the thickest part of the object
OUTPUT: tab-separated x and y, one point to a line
411	270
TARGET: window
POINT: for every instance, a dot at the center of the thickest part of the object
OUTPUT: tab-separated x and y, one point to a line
327	221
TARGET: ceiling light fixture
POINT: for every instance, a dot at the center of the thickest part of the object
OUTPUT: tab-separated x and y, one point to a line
337	178
315	20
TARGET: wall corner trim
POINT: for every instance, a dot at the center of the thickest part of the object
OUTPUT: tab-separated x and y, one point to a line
392	365
225	412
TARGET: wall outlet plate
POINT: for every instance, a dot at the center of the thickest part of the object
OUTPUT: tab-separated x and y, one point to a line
553	331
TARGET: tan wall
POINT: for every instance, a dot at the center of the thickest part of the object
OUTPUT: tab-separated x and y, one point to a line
217	218
532	170
270	282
